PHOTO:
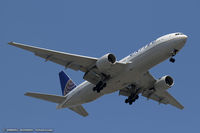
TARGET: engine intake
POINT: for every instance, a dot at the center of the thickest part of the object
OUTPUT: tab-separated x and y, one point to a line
105	62
164	83
169	80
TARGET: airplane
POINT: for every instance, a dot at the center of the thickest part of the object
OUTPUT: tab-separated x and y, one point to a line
130	75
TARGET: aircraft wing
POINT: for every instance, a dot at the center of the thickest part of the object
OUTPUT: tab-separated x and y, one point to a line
163	97
72	61
46	97
80	110
146	82
75	62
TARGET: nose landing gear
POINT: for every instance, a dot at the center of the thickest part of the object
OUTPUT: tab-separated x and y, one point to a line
172	60
173	53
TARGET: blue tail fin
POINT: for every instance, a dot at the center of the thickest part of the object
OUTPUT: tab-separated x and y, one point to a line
66	83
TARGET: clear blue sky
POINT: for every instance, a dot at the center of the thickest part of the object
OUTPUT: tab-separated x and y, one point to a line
94	28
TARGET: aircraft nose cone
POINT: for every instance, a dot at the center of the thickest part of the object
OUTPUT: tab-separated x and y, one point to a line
184	38
181	38
180	41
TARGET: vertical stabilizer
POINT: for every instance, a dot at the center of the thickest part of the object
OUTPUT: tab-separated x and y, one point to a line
66	83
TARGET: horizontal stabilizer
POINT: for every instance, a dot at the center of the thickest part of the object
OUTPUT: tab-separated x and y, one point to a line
47	97
80	110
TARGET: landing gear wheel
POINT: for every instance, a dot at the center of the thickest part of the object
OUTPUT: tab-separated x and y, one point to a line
94	89
104	85
99	86
130	102
172	60
126	100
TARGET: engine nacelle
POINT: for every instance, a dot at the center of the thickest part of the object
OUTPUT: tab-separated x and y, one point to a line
164	83
105	62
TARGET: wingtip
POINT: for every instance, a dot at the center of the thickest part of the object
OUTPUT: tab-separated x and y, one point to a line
26	94
182	107
85	115
10	43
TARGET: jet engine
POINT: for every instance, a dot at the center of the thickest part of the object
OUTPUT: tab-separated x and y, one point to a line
164	83
105	62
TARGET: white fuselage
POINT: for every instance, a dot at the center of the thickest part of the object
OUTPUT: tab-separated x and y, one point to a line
139	62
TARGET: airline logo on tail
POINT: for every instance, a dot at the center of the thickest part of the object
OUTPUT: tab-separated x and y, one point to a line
69	86
66	83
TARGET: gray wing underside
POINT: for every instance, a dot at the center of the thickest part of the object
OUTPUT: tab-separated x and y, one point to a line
147	82
72	61
163	97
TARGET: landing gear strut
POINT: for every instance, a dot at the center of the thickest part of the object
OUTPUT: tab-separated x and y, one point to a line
172	55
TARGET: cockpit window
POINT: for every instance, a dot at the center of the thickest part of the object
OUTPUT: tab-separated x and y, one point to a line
179	33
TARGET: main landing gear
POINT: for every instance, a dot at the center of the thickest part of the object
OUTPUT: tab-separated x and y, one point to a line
173	53
131	99
99	86
134	94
